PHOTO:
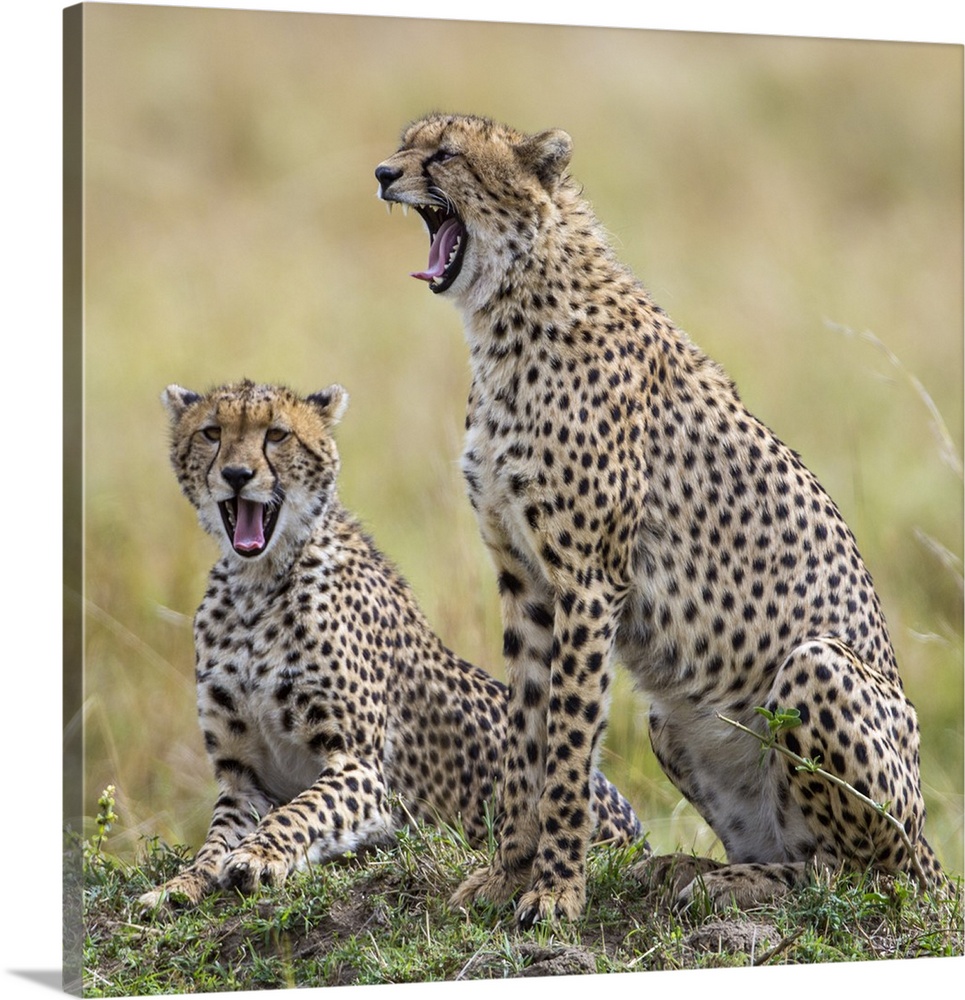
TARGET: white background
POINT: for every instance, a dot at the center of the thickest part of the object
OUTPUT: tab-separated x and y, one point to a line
30	370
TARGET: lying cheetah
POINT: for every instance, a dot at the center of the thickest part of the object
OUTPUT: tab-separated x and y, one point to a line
633	507
321	687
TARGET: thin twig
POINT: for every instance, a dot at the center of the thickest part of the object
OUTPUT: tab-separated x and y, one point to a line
947	449
944	555
782	945
472	958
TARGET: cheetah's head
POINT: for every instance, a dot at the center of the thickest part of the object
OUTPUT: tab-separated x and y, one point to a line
258	462
482	190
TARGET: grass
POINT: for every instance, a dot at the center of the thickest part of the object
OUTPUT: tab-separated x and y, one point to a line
772	193
383	918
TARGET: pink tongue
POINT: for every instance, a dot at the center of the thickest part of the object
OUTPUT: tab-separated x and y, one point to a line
249	534
442	244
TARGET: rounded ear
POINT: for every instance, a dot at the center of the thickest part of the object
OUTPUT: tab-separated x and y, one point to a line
176	400
330	403
546	154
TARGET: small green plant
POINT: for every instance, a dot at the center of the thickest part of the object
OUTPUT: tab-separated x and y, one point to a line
104	822
780	720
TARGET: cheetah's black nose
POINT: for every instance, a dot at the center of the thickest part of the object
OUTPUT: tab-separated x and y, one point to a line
236	476
386	175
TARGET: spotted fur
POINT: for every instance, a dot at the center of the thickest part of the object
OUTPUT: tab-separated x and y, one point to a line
634	509
330	709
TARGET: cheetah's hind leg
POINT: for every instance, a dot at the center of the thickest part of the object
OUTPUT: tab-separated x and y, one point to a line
684	880
856	724
671	872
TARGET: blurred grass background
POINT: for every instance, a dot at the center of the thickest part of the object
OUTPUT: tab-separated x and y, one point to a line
772	193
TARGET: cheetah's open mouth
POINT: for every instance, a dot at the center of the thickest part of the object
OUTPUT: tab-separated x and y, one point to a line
249	524
447	246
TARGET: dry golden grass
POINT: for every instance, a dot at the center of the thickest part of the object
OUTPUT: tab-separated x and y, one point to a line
765	190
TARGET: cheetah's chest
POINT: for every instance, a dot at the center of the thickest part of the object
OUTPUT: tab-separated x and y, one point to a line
261	692
502	483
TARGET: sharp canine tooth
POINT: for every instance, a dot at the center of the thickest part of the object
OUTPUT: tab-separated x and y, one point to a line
405	208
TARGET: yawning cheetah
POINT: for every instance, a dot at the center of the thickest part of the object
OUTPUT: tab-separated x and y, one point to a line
633	507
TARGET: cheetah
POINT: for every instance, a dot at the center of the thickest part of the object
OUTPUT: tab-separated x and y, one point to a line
330	710
636	512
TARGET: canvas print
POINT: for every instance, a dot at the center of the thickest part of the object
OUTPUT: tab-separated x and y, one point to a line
521	474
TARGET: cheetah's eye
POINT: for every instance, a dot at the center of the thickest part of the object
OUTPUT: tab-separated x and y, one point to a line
276	434
212	433
441	156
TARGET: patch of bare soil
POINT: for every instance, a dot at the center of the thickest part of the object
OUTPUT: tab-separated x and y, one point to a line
732	936
559	961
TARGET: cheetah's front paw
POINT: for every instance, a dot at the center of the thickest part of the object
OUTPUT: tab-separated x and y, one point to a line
496	883
247	868
564	902
184	889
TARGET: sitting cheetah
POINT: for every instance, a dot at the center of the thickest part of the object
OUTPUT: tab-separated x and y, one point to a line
633	507
321	687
